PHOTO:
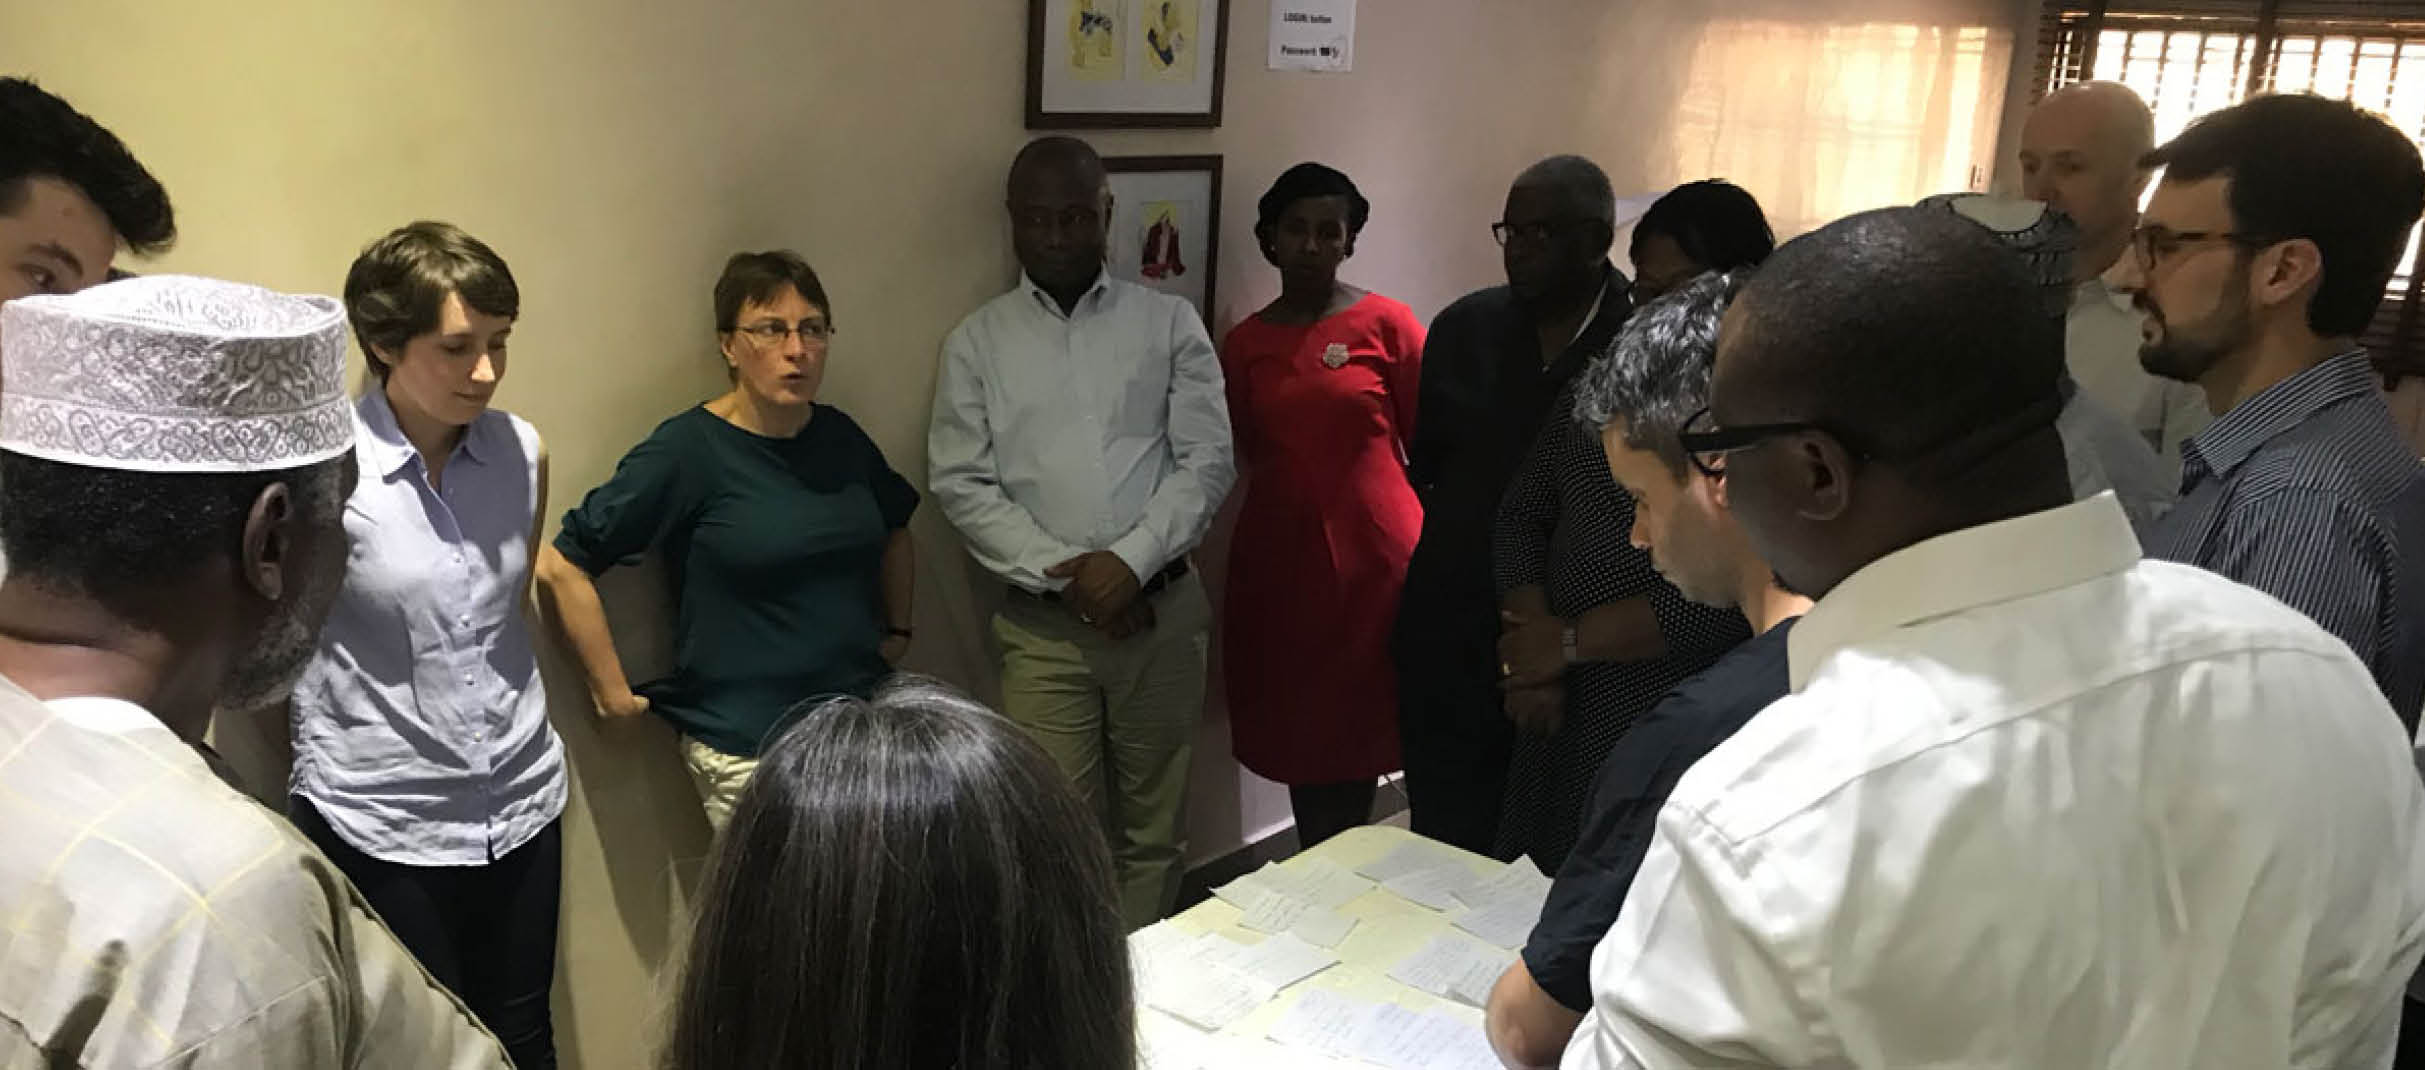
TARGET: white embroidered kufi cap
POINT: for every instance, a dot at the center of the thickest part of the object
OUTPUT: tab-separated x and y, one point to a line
172	373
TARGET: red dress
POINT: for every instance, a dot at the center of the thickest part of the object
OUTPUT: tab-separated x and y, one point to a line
1321	415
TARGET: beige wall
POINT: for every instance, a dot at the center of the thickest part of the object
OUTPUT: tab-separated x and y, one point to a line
616	150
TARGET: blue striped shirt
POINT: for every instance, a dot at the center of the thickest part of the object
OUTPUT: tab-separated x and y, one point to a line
2307	492
420	725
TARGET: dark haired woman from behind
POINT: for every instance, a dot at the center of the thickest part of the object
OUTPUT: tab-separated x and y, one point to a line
1322	392
424	764
782	526
907	882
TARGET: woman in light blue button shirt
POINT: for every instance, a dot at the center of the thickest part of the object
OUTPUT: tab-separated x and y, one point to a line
424	764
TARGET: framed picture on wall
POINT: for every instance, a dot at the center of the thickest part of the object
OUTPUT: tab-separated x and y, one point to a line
1094	64
1166	224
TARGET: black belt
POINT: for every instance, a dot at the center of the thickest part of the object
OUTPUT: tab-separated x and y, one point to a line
1154	585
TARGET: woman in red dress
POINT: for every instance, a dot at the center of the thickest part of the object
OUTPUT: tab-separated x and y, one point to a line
1322	387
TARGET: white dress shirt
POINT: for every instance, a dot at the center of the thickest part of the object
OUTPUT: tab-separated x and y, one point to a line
151	916
2101	347
2033	802
1055	435
2105	454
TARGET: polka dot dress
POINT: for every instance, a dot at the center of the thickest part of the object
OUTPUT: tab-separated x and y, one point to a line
1564	523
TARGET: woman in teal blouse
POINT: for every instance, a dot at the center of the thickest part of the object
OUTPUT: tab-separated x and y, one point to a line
781	524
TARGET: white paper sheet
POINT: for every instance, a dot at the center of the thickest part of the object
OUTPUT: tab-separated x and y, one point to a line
1208	999
1283	960
1321	1021
1323	883
1405	858
1323	928
1454	967
1506	922
1267	911
1434	886
1518	879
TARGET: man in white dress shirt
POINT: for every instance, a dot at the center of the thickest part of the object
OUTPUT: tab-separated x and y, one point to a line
2080	153
175	455
2032	800
1081	445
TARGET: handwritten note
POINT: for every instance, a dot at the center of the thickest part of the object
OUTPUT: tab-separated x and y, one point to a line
1207	999
1323	883
1404	859
1506	922
1455	968
1282	960
1267	911
1321	1020
1323	928
1436	886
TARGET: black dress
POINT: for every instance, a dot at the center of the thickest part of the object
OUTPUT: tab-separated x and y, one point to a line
1565	525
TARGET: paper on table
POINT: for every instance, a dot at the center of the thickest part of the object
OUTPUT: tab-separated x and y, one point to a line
1320	1020
1323	883
1377	1029
1419	1041
1208	999
1323	928
1282	960
1403	859
1163	1043
1435	886
1458	1045
1517	879
1507	922
1268	911
1454	967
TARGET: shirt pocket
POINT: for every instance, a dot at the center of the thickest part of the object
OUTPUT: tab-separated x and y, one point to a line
1141	404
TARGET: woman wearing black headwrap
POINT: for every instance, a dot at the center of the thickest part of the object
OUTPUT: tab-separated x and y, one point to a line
1322	398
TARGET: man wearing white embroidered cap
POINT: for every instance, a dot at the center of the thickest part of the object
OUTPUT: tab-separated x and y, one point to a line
175	455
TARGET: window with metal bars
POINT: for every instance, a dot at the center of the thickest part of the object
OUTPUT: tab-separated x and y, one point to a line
2190	57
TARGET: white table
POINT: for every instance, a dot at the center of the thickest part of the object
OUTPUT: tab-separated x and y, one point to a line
1388	930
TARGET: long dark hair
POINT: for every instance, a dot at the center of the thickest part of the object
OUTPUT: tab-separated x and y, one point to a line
907	882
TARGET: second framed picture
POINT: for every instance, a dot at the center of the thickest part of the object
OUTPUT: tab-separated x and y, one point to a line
1166	224
1125	63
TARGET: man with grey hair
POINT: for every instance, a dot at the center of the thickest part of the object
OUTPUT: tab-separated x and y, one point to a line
2082	152
1491	365
1642	396
175	455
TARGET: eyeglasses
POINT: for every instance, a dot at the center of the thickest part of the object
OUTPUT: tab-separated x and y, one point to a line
1707	445
812	333
1536	231
2155	243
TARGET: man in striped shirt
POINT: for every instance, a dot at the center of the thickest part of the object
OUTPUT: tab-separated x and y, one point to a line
2262	256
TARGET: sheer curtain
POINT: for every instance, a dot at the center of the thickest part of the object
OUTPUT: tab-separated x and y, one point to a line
1819	121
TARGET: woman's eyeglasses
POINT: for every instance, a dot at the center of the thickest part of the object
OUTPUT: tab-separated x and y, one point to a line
773	332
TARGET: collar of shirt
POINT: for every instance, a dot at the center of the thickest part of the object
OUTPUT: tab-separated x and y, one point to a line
1974	567
1094	294
2224	446
383	444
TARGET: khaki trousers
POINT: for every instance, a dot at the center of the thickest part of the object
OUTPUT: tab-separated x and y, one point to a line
1119	717
719	778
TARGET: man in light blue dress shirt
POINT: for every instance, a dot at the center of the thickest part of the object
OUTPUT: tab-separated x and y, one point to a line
1081	446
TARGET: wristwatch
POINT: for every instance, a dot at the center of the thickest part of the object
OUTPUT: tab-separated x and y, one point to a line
899	633
1570	644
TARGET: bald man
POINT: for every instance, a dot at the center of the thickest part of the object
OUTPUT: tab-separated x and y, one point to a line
2080	153
1081	445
